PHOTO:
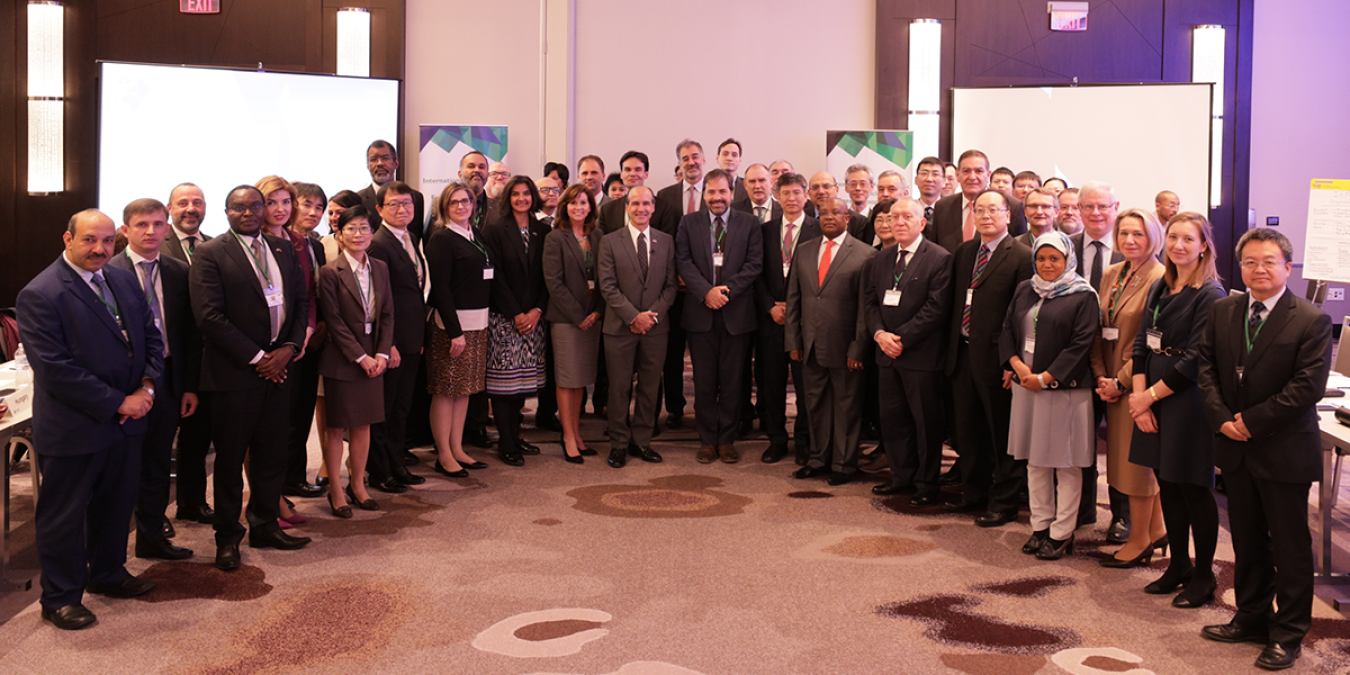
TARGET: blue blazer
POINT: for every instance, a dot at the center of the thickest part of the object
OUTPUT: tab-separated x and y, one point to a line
83	367
742	260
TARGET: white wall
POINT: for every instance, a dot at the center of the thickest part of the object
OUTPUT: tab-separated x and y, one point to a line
646	75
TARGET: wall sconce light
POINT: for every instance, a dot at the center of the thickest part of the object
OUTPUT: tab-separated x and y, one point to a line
46	97
1207	65
925	88
353	41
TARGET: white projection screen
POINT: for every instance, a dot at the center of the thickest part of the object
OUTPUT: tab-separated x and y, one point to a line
1140	138
164	125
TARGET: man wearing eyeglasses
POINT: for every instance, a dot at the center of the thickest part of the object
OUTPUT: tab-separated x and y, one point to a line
382	163
249	299
549	191
953	220
498	174
1041	207
1098	204
1070	219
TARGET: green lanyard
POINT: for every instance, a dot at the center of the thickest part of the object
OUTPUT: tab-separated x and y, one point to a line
263	267
901	275
1121	283
486	260
717	242
1036	317
112	306
1246	330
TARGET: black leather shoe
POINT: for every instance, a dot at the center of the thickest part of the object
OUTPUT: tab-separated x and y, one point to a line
462	473
302	489
1199	592
1035	541
129	587
963	505
645	454
1118	532
476	465
276	539
408	478
201	514
674	422
892	488
161	550
548	422
774	454
1231	632
997	519
389	485
527	448
617	458
227	557
950	477
478	439
1053	549
925	499
511	458
1169	581
745	428
1278	657
838	478
802	453
367	505
71	617
587	452
810	472
1142	560
578	459
167	529
410	459
321	481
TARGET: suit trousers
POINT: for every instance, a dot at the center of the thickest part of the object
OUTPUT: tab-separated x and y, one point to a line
834	402
81	519
600	393
983	413
161	424
719	360
773	370
629	355
749	407
194	442
911	424
1272	550
388	439
672	387
253	422
305	394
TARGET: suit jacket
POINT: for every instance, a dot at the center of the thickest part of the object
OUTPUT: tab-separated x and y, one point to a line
180	328
664	218
747	206
623	288
771	287
518	285
232	313
1284	376
860	228
827	319
409	308
673	196
1065	330
948	224
742	261
923	316
457	267
738	191
345	312
571	295
83	365
174	248
1115	358
1009	265
368	195
1077	239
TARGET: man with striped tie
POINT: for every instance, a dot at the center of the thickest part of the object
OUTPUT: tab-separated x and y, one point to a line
987	269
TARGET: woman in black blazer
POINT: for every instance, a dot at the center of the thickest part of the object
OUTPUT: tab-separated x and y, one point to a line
1171	435
516	342
461	273
359	311
1046	349
575	307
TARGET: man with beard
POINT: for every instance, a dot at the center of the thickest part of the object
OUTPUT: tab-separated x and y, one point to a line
682	198
473	170
1070	220
498	174
549	191
954	220
382	163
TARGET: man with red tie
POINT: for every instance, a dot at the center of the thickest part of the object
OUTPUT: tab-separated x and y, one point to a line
953	218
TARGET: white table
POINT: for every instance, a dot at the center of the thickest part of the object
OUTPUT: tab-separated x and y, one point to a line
9	424
1335	446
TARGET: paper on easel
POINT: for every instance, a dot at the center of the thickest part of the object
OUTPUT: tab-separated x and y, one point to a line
1326	247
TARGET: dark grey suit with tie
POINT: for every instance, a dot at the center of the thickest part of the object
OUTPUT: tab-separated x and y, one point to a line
194	433
826	324
773	365
628	291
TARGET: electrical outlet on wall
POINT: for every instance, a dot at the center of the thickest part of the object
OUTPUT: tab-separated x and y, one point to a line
1335	294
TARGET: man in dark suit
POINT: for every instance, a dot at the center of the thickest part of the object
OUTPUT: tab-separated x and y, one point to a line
758	201
96	358
382	163
929	178
953	221
395	245
633	171
719	253
637	279
249	298
781	238
1264	360
827	333
859	183
822	189
729	160
682	199
986	271
1041	206
891	185
907	294
591	173
187	209
164	284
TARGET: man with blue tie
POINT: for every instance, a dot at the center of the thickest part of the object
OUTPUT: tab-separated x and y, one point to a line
96	357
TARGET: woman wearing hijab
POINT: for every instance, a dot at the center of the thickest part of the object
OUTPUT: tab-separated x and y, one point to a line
1046	348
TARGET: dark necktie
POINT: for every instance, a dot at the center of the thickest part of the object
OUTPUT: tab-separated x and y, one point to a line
148	283
1254	321
1097	265
273	312
759	213
900	265
105	294
980	262
192	244
719	231
643	265
928	213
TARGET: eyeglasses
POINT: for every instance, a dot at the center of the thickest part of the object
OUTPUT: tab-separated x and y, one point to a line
981	211
550	191
240	209
1039	207
500	174
402	205
365	229
1100	208
461	202
1267	265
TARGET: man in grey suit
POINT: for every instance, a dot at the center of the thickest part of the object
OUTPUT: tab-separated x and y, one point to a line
827	333
719	253
637	281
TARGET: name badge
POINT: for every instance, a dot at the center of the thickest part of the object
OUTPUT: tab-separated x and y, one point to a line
892	298
1154	339
1110	333
275	297
717	260
487	272
1029	345
970	295
590	283
367	328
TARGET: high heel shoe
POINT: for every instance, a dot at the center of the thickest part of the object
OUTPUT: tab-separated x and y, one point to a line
1143	559
343	511
578	459
587	452
1169	582
1161	543
1034	542
365	505
1053	549
474	465
462	473
1199	592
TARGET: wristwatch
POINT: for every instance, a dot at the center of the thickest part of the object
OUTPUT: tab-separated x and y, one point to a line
151	390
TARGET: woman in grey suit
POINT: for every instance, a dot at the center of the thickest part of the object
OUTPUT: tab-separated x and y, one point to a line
571	260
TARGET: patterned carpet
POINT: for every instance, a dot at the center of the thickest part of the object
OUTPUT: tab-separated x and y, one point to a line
657	569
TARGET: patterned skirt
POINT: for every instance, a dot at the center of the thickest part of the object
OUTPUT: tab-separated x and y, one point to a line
456	376
515	364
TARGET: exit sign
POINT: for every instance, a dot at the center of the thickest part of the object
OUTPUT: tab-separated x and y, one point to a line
199	6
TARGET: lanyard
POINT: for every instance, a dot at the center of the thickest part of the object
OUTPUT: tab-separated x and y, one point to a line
1246	331
363	290
1036	316
486	260
112	306
263	267
1121	283
717	241
787	252
903	269
150	280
